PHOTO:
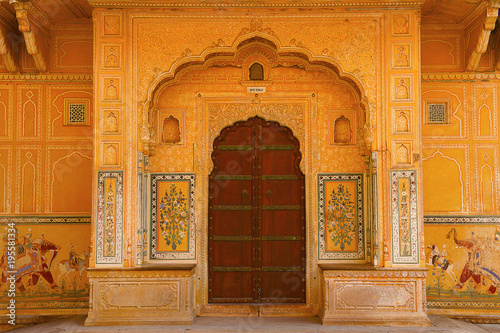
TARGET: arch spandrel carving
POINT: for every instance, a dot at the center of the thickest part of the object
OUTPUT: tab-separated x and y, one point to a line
247	46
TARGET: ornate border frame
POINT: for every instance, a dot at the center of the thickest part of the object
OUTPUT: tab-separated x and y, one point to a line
322	252
191	253
411	175
101	176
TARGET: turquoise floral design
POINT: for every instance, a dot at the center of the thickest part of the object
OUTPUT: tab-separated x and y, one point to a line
173	213
340	219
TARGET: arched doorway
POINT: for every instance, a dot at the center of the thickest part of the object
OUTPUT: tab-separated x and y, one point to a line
256	216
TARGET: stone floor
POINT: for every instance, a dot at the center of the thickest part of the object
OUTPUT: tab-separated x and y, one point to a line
258	324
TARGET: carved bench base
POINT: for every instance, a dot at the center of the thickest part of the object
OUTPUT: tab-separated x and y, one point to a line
373	297
141	297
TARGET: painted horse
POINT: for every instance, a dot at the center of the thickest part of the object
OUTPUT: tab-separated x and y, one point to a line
76	265
32	260
483	261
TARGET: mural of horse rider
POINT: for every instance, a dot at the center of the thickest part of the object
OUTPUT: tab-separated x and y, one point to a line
33	259
483	260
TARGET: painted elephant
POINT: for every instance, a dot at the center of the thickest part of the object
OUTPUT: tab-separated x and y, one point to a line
483	260
34	260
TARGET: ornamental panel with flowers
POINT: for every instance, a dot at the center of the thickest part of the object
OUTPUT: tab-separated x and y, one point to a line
172	217
341	222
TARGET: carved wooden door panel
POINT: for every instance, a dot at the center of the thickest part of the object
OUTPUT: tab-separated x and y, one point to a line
256	216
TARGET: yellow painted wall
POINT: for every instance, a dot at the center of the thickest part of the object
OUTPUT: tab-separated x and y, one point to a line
461	175
45	176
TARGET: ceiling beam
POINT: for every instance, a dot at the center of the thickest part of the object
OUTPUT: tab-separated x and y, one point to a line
32	42
6	51
484	35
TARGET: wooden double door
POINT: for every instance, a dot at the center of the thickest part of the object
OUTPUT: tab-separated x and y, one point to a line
256	216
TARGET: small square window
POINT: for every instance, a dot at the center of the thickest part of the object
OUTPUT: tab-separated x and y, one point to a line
436	113
76	112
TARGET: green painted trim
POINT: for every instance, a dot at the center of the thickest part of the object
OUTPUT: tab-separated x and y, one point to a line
281	207
231	207
234	147
281	268
279	177
278	147
281	238
232	269
232	238
233	177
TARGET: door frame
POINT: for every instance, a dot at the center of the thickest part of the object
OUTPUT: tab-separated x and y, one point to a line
294	111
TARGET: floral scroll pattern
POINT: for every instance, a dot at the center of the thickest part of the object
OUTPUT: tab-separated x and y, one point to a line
173	216
172	229
340	217
109	217
404	216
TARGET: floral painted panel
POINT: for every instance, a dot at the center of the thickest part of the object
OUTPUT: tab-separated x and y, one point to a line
464	266
109	217
172	216
341	222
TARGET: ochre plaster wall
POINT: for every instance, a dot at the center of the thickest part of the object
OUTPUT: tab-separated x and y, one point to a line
461	175
45	175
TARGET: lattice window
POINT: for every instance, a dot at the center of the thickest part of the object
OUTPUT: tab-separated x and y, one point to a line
76	114
436	113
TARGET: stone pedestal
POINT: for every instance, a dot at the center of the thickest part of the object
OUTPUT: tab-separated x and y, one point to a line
141	296
373	296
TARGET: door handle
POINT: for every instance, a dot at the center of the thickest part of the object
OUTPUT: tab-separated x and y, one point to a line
269	193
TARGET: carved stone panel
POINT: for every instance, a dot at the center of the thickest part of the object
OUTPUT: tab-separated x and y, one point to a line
156	295
373	296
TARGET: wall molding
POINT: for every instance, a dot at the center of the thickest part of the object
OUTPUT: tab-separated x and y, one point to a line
46	77
47	219
450	77
461	219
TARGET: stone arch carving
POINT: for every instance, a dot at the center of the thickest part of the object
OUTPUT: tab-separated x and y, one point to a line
402	123
342	130
111	155
227	55
403	155
111	123
171	132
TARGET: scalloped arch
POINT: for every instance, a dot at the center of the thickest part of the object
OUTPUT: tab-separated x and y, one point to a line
266	38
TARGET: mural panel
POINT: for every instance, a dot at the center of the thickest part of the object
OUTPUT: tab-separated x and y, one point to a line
340	204
404	216
109	217
464	264
172	216
51	255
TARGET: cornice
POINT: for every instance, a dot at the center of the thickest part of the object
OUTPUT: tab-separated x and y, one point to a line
459	76
253	4
46	77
